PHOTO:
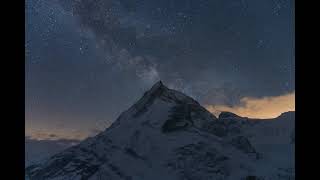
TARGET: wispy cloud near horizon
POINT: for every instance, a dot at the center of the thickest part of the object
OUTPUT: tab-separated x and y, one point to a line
262	108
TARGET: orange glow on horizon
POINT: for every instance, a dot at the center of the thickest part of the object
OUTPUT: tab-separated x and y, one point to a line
261	108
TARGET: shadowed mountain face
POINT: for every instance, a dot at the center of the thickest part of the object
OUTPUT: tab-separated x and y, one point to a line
168	135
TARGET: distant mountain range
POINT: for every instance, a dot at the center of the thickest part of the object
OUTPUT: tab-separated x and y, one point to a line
167	135
36	150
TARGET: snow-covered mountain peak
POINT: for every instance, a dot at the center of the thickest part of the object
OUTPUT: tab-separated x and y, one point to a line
157	85
164	110
160	102
160	91
168	135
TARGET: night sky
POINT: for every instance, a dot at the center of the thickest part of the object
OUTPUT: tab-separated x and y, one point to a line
89	60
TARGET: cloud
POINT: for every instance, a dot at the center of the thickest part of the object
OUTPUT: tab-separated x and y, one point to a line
56	134
226	94
266	107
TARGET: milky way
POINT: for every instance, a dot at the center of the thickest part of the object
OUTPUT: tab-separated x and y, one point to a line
88	60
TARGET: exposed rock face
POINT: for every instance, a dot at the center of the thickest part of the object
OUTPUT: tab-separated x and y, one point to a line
243	144
168	135
199	161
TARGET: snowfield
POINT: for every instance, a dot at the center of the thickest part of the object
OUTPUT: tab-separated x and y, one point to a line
168	135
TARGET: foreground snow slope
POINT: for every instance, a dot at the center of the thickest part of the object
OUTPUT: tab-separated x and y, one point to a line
168	135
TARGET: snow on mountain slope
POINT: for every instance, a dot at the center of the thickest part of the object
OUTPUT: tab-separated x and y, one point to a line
168	135
37	150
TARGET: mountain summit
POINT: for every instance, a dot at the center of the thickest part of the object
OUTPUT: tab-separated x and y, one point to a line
167	109
160	91
168	135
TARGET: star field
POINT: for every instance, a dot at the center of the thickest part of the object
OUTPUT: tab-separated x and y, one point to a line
89	60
